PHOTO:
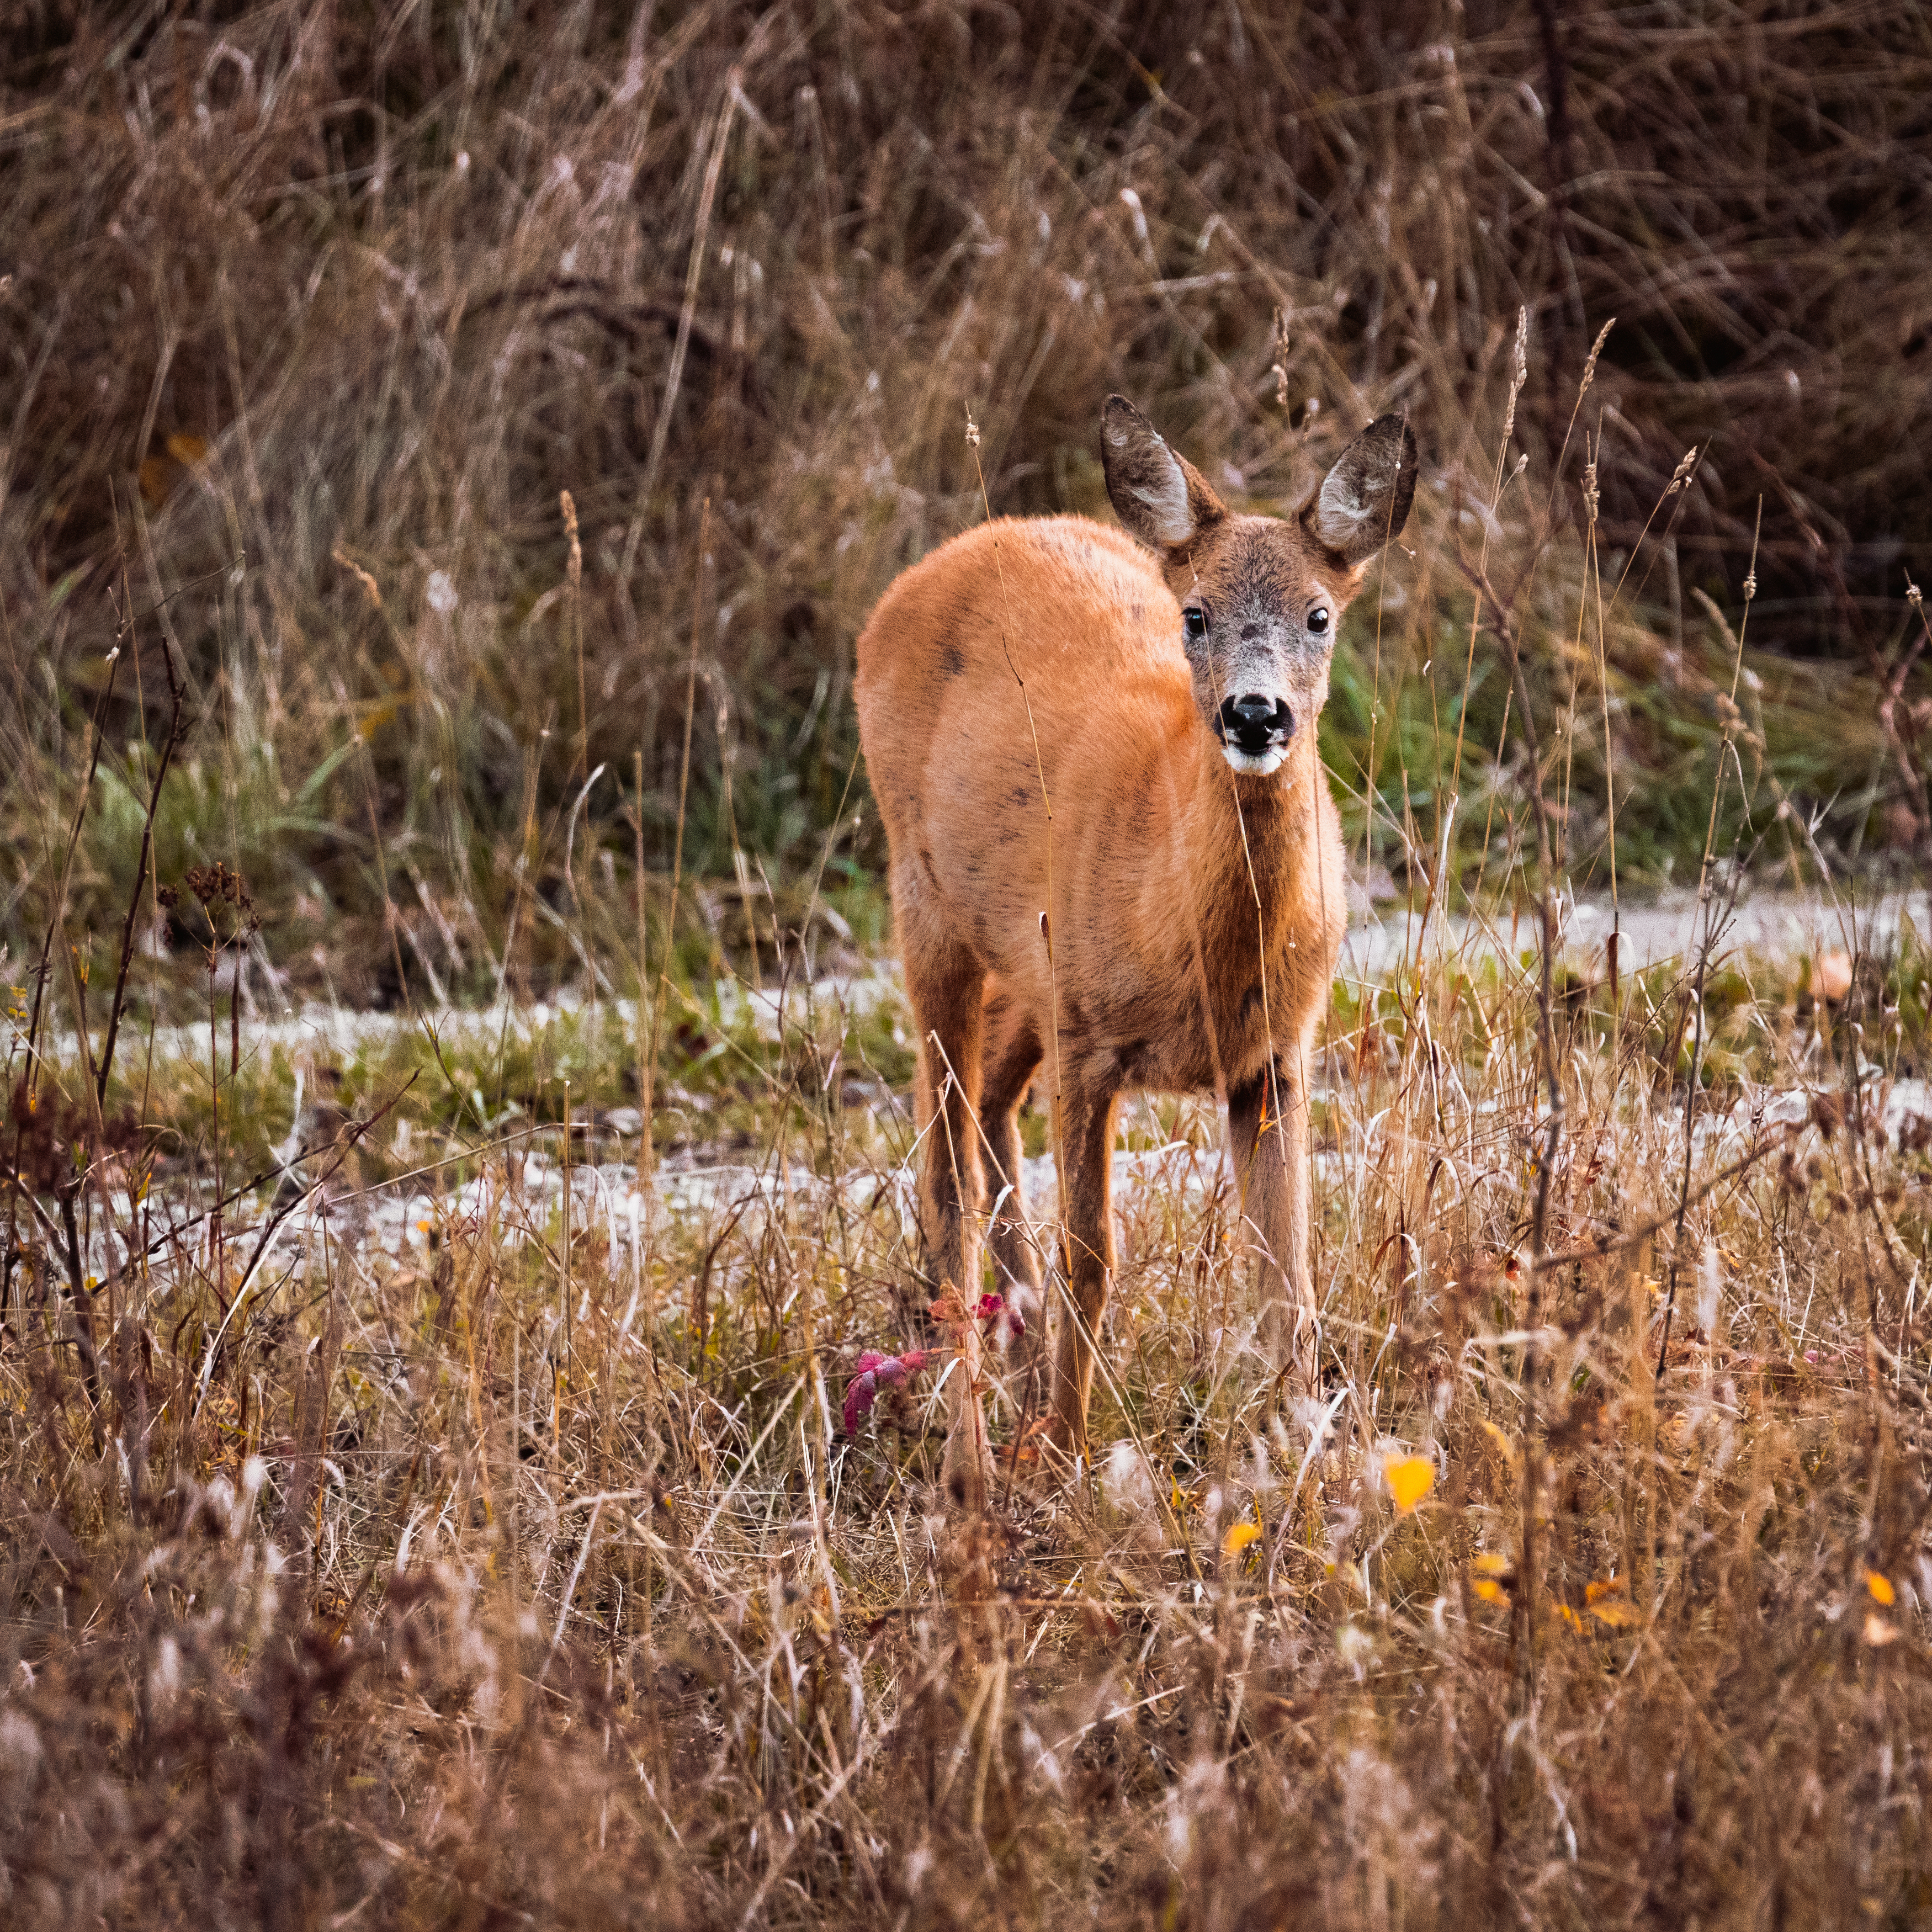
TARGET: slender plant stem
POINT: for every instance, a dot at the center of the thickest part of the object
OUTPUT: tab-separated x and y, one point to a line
1710	925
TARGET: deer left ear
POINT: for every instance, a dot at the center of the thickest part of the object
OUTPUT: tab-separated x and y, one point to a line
1363	501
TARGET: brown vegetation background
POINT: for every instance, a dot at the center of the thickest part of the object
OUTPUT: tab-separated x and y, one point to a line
423	1499
313	312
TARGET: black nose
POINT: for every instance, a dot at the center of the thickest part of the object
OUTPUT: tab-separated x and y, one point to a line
1255	723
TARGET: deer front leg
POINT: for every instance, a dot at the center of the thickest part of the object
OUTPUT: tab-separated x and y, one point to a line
1085	1143
945	987
1267	1125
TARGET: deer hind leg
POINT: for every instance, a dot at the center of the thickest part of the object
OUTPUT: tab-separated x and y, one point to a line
1013	1057
1084	1141
1267	1125
946	985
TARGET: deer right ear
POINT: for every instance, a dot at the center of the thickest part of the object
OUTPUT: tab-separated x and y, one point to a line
1160	497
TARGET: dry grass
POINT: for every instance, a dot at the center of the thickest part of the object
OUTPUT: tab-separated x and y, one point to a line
493	1560
488	1549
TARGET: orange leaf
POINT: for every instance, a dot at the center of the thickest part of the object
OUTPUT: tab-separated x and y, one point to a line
1881	1589
1605	1586
1490	1592
1239	1536
1617	1614
1410	1478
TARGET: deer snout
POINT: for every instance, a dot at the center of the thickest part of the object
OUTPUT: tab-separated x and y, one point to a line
1255	725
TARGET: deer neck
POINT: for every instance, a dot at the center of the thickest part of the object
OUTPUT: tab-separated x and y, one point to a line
1253	844
1256	835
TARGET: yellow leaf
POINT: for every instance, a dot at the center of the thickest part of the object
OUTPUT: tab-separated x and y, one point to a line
1616	1613
1410	1478
1238	1538
1571	1617
1881	1589
1497	1436
1490	1592
1490	1563
1878	1632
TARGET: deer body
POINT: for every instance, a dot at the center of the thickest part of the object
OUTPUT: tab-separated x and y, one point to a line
1190	873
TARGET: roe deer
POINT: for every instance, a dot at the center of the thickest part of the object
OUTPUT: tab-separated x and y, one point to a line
1169	914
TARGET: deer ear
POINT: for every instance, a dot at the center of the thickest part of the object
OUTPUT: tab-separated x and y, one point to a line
1363	501
1160	497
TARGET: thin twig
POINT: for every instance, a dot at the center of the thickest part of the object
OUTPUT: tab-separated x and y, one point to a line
645	1148
1707	947
177	731
1545	1163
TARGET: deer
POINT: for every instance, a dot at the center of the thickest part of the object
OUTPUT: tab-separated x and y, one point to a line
1115	861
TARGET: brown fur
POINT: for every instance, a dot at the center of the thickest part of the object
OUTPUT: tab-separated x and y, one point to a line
1195	914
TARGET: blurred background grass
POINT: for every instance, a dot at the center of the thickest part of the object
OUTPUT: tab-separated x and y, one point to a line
313	312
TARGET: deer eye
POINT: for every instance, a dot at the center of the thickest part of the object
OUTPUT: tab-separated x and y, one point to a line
1317	621
1194	622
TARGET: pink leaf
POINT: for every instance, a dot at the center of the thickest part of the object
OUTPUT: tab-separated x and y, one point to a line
877	1371
1007	1320
860	1393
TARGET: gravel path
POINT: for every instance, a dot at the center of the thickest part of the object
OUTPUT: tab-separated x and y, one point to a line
525	1185
1773	925
1768	925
